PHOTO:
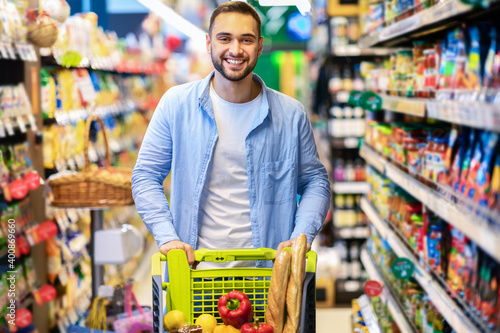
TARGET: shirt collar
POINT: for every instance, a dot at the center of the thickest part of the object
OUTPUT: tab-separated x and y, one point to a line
206	102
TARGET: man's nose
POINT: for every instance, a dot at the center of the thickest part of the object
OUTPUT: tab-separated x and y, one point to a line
235	48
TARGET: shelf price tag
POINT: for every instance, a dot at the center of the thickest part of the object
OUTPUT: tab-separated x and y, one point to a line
354	98
373	288
370	101
403	268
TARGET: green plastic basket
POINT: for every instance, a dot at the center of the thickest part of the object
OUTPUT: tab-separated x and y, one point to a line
195	292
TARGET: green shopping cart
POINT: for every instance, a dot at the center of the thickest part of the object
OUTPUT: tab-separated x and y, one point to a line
195	292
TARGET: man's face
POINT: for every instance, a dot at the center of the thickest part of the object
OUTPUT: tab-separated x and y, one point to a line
234	45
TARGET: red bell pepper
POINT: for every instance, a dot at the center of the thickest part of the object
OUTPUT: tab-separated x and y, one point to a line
235	308
256	328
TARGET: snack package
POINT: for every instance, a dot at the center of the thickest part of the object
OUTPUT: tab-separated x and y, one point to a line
434	243
462	145
473	77
488	77
481	191
493	200
456	261
451	151
464	169
475	162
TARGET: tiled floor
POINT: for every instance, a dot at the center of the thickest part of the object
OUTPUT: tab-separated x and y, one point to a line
335	320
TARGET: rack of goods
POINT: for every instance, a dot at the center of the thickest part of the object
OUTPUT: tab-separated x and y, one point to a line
433	152
108	78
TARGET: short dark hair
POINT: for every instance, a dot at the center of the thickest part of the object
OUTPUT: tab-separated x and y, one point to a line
235	6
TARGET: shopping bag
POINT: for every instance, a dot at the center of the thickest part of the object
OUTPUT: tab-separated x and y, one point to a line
133	323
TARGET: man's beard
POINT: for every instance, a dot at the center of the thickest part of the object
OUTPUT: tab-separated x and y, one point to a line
238	76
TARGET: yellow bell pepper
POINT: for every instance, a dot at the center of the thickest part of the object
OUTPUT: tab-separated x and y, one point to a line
225	329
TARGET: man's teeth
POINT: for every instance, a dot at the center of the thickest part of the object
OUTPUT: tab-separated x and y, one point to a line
234	62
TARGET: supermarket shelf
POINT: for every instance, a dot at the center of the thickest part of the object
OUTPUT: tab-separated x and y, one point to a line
369	316
356	51
410	106
387	296
476	226
350	187
345	143
478	115
453	314
354	233
431	17
373	158
473	114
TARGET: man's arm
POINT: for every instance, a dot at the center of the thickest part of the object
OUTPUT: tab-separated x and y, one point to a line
313	185
152	167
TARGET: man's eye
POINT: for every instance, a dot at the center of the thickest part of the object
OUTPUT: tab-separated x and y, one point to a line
223	39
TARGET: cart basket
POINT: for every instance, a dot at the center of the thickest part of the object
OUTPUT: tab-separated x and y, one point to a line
195	292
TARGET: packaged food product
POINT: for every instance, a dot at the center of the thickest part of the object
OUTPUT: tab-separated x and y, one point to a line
493	200
434	246
474	141
479	190
463	142
489	75
474	64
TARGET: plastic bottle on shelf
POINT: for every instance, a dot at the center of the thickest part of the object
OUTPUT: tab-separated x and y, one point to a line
350	172
358	84
350	212
339	172
359	171
335	83
348	123
339	213
359	122
347	83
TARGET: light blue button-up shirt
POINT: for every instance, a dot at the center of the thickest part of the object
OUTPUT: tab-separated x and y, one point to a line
282	162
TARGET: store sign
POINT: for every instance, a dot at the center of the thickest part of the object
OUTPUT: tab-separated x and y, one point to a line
354	98
403	268
370	101
373	288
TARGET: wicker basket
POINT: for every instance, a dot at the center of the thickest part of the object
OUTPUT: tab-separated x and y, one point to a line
43	32
91	188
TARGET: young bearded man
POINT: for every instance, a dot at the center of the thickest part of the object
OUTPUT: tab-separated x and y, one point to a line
239	154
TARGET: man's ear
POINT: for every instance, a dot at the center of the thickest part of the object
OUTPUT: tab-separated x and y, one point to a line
261	41
207	37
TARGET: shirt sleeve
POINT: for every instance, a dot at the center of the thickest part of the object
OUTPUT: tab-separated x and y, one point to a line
152	167
313	184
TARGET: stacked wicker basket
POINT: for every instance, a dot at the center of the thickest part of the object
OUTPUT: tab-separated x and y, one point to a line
104	187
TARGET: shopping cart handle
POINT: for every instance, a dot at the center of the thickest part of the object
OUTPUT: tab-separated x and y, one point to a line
223	255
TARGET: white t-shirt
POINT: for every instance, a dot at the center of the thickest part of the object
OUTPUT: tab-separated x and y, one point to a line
224	220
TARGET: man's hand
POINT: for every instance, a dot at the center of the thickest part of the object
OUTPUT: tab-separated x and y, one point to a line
177	244
288	243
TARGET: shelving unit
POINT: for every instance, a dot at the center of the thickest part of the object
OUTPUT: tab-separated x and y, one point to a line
369	316
387	295
473	114
473	221
437	15
350	187
456	316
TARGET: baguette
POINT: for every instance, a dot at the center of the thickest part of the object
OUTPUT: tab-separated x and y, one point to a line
295	285
275	312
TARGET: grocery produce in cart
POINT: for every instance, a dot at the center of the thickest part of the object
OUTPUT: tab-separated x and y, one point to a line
248	299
